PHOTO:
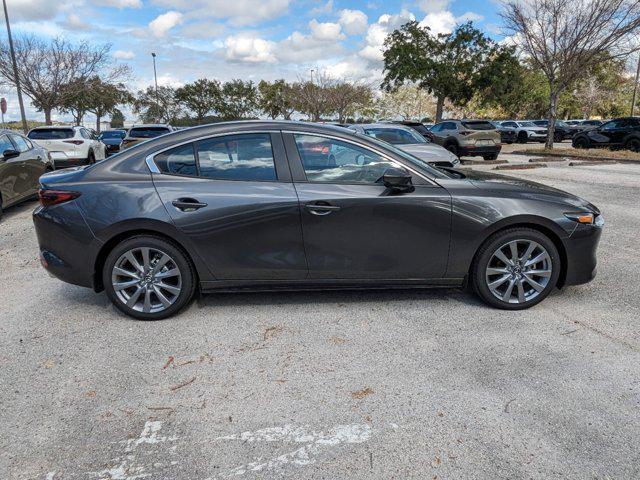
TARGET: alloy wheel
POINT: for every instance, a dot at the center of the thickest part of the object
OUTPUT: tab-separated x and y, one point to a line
518	271
146	280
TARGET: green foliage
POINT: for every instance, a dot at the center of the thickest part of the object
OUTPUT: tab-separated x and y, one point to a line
200	97
117	118
239	100
274	99
160	107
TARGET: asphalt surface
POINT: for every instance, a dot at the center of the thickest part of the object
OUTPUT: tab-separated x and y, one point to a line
397	384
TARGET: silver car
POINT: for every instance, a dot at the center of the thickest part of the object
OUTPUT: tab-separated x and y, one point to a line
408	140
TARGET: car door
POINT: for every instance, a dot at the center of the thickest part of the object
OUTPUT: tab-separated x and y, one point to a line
611	133
356	228
33	165
10	171
232	195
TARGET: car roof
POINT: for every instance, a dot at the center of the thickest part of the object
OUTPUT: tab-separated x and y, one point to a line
42	127
149	125
388	126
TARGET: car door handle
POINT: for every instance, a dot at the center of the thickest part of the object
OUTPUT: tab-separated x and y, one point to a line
188	204
321	209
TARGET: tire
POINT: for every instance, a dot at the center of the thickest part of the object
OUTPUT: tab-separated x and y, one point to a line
91	158
144	290
580	143
493	156
558	137
523	137
632	144
453	148
488	269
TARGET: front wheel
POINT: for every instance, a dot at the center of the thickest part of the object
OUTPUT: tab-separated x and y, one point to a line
148	278
453	148
633	144
91	158
580	143
515	269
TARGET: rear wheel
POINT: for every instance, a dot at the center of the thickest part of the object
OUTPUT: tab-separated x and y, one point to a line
91	158
516	269
581	143
453	148
633	144
148	278
522	137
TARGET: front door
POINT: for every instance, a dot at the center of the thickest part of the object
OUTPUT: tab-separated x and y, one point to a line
233	196
356	228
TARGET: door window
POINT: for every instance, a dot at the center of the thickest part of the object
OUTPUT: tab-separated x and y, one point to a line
436	128
20	142
612	125
247	157
177	161
85	134
332	161
5	144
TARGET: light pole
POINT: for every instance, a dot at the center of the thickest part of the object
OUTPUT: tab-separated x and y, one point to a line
155	73
16	78
635	90
312	75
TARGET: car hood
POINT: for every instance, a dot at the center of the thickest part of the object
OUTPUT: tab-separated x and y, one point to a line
503	183
428	152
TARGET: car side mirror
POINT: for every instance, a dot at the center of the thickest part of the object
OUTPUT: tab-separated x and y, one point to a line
10	153
398	180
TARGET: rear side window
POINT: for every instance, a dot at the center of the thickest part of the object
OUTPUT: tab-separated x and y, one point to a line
51	134
247	157
148	132
394	136
478	125
20	142
177	161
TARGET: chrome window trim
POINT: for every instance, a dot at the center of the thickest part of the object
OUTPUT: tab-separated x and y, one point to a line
366	147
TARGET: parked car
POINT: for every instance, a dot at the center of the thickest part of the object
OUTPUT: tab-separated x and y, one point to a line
468	138
562	130
112	140
592	123
21	164
410	141
258	205
69	146
417	126
526	131
141	133
618	133
507	134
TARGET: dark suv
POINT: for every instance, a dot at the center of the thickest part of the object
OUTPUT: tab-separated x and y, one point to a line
562	130
618	133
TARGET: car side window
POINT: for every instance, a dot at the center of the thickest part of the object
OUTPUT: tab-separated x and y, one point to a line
180	160
247	157
614	124
84	134
510	124
436	128
449	126
327	160
5	144
21	144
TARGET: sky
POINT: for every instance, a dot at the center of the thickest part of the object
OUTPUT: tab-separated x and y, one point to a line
247	39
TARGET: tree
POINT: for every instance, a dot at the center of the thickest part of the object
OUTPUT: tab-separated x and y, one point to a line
45	68
408	101
104	97
274	99
74	99
117	118
200	97
161	107
313	98
565	38
346	99
239	100
449	66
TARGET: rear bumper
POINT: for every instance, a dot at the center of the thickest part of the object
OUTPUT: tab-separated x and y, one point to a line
581	248
476	151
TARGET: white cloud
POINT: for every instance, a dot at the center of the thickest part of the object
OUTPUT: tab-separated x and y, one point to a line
123	54
445	21
325	31
322	42
238	12
354	22
377	33
323	9
165	22
119	3
31	10
75	22
244	48
433	6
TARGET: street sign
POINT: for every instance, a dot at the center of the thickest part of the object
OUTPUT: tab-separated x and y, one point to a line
3	105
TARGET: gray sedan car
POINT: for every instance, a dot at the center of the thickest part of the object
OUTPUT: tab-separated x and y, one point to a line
21	164
407	139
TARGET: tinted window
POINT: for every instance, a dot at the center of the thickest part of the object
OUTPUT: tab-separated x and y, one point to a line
113	134
420	129
478	125
237	157
147	132
526	124
20	142
436	128
50	134
510	124
178	161
449	126
395	136
333	161
623	122
5	144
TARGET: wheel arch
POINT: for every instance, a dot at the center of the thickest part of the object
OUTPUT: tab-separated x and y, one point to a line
540	224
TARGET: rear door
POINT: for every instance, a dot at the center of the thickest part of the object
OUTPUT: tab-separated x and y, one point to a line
611	133
354	227
10	173
233	196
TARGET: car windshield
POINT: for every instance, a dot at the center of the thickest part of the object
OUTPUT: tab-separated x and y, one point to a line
148	132
478	125
420	164
51	134
526	124
114	134
395	136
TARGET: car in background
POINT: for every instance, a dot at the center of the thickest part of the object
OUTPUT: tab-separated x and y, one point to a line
526	131
141	133
69	146
620	133
562	130
409	140
112	140
507	134
471	138
258	205
417	126
22	162
592	123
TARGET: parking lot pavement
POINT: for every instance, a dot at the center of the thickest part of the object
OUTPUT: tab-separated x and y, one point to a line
392	384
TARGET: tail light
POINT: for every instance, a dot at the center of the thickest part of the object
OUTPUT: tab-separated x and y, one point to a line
54	197
75	142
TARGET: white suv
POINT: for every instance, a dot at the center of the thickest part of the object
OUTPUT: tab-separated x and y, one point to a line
69	146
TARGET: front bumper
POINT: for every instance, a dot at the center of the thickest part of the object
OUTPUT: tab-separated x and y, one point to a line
581	248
